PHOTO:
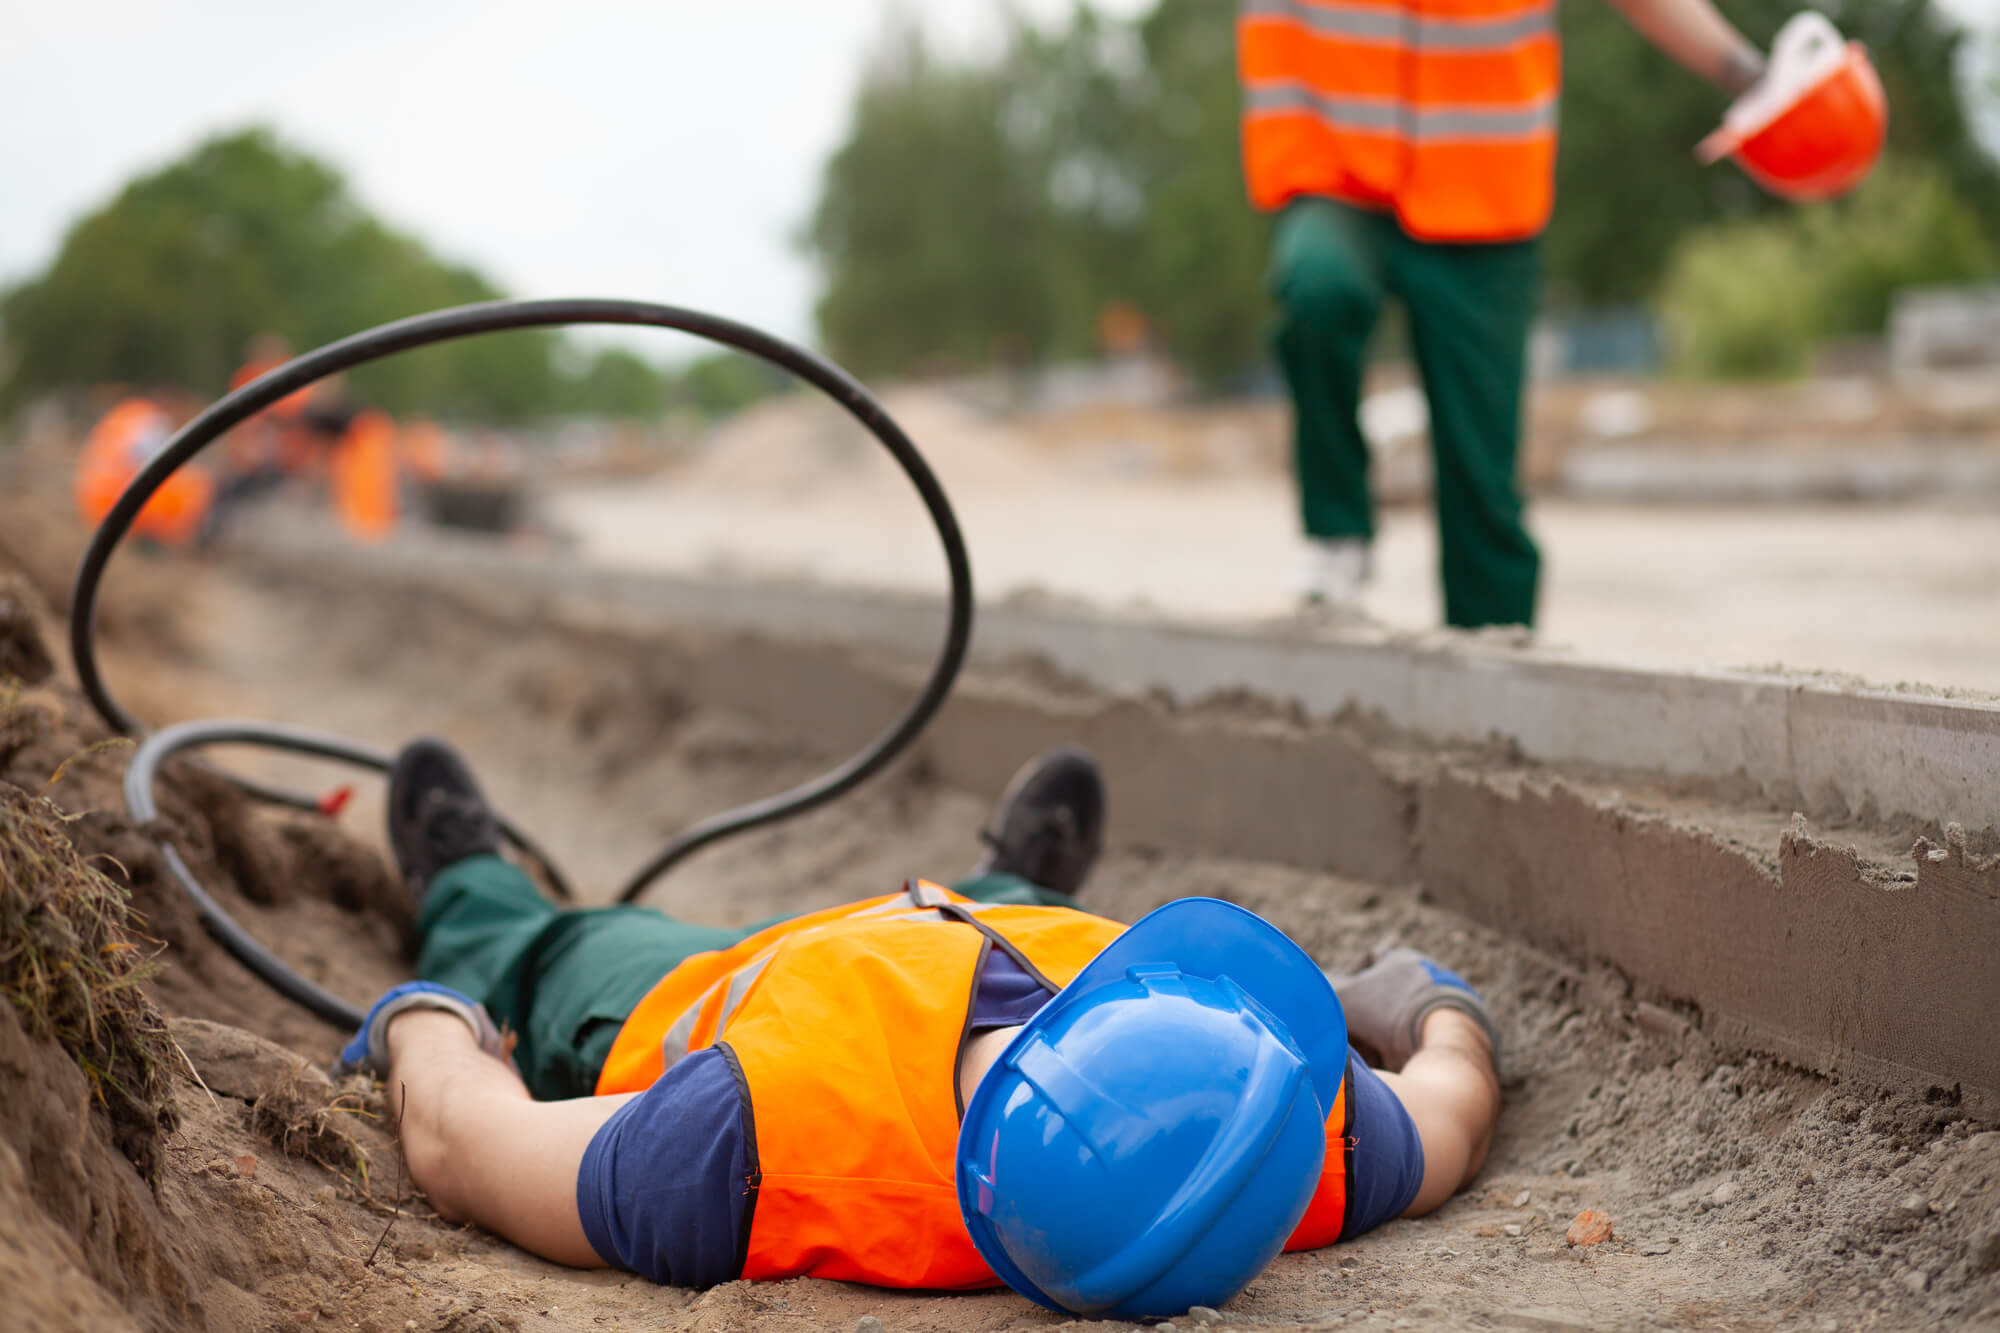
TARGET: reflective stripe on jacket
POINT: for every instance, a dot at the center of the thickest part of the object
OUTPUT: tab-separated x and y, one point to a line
1442	111
845	1029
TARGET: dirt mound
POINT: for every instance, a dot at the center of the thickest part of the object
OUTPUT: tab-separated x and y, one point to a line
71	969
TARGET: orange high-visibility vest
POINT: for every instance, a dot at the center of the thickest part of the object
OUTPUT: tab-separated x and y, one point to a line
119	446
364	477
844	1028
1441	111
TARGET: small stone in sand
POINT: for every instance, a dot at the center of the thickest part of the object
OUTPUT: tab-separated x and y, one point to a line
1205	1314
1725	1193
868	1323
1590	1228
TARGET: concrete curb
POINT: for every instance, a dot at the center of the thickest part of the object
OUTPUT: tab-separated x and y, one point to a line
1804	740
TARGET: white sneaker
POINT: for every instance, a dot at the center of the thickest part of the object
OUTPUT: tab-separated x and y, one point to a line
1335	569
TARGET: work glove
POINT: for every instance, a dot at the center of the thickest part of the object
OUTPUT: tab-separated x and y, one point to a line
369	1051
1386	1003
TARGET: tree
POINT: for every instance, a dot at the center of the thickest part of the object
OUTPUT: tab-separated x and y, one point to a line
1205	249
167	283
929	223
724	382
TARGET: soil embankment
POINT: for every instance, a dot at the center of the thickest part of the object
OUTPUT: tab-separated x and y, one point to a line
1743	1191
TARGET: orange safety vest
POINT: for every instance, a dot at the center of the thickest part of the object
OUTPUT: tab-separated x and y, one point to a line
1441	111
844	1029
363	473
119	446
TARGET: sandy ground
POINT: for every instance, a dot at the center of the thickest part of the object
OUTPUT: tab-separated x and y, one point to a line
1744	1194
1887	592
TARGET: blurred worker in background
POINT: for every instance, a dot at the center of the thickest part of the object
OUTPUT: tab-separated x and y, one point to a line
124	440
363	476
1409	147
351	452
260	453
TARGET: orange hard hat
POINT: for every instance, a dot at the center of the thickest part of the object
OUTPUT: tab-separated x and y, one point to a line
1812	127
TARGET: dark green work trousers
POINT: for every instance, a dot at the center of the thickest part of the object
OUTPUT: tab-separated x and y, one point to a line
1470	308
564	979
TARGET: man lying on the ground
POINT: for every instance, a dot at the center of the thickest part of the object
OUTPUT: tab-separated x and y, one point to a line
938	1088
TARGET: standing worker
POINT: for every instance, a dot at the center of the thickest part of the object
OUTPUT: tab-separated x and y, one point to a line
1409	147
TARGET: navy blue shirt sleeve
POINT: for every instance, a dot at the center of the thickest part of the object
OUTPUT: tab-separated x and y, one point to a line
664	1188
1006	995
1388	1162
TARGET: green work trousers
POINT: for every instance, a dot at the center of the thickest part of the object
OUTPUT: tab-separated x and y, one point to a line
564	979
1470	308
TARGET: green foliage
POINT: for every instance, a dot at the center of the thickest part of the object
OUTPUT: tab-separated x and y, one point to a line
169	281
1906	227
982	213
618	383
1753	298
1204	249
933	223
1739	301
724	382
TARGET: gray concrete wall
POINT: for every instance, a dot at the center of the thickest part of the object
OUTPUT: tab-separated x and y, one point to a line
1799	737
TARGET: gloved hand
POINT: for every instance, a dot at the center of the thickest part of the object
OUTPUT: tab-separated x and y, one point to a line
369	1050
1387	1002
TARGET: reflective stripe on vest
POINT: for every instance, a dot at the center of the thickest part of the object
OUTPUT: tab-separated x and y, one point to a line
1443	111
845	1029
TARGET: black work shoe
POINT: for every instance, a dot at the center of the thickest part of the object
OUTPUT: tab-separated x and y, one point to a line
1049	824
436	813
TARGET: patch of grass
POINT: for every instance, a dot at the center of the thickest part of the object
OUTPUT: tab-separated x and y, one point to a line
306	1117
73	969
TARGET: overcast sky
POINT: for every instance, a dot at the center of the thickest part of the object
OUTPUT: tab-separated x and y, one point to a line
659	149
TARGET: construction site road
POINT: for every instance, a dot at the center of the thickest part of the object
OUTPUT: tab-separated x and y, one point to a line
1888	593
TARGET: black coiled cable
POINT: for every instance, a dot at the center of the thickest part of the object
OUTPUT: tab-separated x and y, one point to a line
421	331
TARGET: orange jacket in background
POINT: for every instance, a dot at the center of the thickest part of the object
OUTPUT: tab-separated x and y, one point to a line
844	1029
421	448
362	473
122	443
272	436
1440	111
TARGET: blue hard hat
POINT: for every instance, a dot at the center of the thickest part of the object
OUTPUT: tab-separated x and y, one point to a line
1150	1138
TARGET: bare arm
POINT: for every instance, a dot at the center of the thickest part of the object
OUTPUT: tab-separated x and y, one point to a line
1452	1093
481	1147
1694	35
